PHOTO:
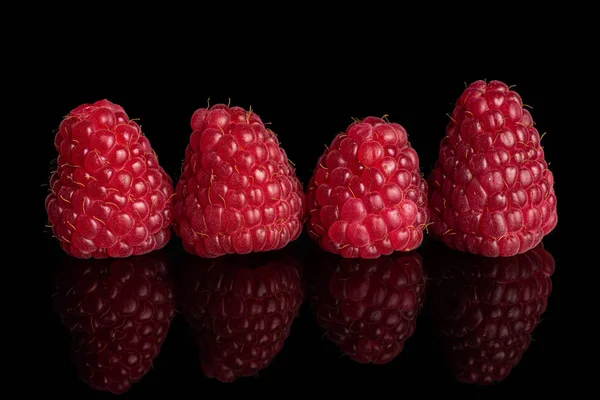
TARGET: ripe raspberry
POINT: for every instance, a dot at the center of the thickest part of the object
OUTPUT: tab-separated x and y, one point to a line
487	308
237	192
366	197
109	196
491	192
118	312
368	307
240	309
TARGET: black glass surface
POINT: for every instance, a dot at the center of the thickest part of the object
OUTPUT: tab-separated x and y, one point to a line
435	316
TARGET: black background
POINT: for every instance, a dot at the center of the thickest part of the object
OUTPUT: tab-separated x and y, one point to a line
308	98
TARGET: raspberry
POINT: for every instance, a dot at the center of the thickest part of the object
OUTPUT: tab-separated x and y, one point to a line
118	312
368	307
486	309
109	196
237	192
240	309
491	192
366	196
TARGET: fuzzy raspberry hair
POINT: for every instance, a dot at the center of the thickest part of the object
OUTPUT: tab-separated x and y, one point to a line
238	192
366	197
109	196
491	192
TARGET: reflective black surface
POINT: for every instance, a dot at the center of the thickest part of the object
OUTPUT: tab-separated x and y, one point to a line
118	313
432	320
487	309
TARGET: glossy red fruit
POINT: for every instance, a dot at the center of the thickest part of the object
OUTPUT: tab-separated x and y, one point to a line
238	193
368	308
118	313
487	308
491	192
240	309
366	196
109	196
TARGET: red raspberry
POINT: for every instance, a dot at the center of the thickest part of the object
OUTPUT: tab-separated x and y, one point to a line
366	197
368	307
487	308
109	196
491	192
237	192
240	309
118	312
